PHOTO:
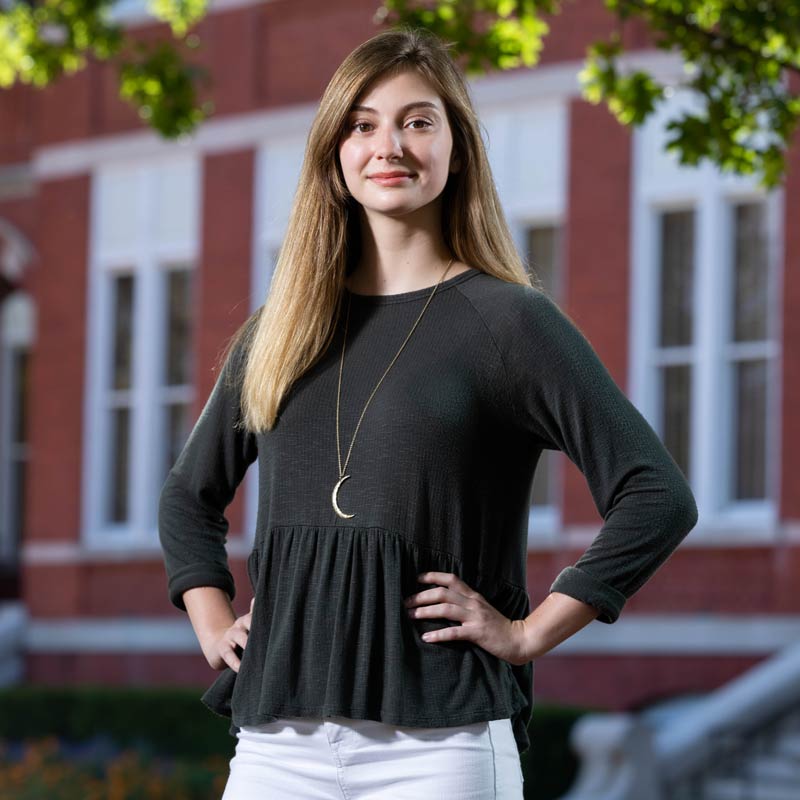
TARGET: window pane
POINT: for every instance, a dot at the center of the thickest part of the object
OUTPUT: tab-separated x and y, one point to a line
677	277
750	273
749	434
676	404
16	493
542	255
19	382
118	466
122	332
178	364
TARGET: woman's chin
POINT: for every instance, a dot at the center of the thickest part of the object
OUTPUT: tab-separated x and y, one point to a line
395	209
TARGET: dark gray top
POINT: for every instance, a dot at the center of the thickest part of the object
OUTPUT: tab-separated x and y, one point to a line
440	479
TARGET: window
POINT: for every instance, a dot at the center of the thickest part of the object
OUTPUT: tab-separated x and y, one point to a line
141	370
739	360
705	330
16	334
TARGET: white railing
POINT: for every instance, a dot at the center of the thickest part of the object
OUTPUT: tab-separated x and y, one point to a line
625	758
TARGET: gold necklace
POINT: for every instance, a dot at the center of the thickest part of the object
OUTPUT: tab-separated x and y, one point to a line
342	476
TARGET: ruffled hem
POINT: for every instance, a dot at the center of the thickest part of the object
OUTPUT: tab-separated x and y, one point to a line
330	636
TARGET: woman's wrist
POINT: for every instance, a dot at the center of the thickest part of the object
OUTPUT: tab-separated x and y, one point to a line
211	612
554	620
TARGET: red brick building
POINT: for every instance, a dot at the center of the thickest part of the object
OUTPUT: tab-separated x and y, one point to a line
126	262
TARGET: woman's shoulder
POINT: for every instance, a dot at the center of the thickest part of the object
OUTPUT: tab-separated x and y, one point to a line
510	307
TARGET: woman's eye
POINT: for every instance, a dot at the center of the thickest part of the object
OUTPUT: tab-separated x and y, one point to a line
356	126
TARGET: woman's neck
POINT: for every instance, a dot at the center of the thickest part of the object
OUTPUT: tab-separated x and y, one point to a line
401	253
402	278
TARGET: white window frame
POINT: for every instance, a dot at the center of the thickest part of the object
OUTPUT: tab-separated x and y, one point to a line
148	260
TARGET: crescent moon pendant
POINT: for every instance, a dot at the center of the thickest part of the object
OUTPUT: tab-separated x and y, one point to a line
334	498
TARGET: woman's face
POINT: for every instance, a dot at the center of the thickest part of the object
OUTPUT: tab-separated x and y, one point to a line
399	125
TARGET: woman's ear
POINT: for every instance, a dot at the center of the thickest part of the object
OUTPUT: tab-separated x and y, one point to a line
455	163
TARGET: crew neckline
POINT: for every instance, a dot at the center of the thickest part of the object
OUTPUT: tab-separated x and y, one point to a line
414	294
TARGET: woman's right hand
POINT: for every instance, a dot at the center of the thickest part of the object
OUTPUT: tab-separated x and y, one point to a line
223	645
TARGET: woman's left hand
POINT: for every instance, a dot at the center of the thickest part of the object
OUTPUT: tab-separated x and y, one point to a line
481	622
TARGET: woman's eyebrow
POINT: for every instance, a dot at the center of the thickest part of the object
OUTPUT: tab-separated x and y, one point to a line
406	107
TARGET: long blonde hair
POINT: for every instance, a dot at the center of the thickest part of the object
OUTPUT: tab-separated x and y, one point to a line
295	325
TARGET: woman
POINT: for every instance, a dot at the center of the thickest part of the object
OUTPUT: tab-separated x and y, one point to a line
398	386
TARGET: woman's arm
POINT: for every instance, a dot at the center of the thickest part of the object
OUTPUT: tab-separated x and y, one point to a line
192	526
565	399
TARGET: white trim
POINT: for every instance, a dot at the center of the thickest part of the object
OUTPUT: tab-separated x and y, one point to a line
222	134
631	635
560	80
544	525
120	635
129	550
134	13
689	634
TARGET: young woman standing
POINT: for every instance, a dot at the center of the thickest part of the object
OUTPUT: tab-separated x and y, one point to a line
398	387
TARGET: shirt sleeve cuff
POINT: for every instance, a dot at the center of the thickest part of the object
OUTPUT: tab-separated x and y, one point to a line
576	583
199	575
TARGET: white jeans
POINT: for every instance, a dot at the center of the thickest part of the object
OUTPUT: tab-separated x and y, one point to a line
336	758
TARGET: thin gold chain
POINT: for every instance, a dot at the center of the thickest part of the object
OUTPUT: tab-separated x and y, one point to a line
341	364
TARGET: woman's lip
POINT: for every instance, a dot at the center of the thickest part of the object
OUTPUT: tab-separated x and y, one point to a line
390	181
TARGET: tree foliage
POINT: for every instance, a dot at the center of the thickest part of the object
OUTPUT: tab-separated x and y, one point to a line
41	41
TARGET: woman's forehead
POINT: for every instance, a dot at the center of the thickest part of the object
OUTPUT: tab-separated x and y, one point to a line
407	81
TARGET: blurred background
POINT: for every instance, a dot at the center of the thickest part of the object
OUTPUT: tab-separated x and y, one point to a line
141	211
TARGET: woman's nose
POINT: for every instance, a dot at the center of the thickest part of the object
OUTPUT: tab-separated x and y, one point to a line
389	143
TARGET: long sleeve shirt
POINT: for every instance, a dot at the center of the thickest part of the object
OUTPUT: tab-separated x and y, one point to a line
440	479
